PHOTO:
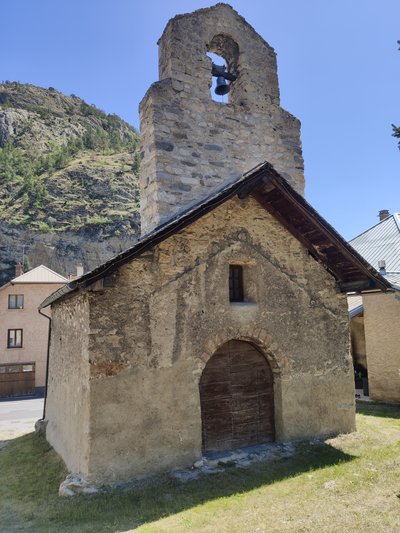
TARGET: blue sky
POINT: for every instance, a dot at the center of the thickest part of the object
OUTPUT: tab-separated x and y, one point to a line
339	73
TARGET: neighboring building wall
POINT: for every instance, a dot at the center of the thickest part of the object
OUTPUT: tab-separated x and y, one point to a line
152	334
34	326
382	337
68	402
192	144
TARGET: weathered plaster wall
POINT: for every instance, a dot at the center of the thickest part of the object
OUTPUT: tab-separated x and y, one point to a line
382	337
192	144
68	401
152	334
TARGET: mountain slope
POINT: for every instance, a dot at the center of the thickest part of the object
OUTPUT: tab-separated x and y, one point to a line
68	172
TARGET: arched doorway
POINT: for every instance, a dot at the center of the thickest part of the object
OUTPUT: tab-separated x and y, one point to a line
237	398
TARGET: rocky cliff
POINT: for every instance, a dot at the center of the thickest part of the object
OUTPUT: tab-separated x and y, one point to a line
68	181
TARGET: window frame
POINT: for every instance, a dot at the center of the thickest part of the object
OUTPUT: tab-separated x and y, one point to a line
9	343
16	296
236	285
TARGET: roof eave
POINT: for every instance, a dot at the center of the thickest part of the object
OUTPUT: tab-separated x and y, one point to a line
275	193
258	182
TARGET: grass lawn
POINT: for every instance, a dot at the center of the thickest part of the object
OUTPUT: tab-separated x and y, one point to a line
347	484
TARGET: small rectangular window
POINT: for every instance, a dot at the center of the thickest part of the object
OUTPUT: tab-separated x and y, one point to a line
15	301
14	338
236	283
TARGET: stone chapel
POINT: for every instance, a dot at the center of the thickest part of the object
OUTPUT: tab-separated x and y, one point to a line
226	324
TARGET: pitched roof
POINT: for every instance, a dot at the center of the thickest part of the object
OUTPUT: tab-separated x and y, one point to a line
274	193
381	242
40	274
394	279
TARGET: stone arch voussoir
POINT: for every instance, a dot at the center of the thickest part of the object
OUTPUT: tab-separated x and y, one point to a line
258	337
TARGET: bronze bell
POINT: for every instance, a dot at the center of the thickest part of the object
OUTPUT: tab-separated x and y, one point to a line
222	87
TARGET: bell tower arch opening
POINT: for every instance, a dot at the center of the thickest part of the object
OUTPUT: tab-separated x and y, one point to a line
224	54
236	398
218	83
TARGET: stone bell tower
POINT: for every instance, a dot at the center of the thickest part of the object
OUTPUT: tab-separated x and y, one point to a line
192	144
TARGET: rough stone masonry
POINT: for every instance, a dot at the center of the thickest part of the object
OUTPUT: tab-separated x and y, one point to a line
192	144
126	397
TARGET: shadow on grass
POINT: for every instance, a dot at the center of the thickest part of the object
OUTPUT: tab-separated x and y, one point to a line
158	498
383	410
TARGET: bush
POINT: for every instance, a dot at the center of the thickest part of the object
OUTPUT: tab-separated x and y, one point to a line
97	220
42	226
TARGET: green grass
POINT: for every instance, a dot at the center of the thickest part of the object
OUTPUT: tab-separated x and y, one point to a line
347	484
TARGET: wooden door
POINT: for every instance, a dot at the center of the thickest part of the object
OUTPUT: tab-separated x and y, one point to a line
17	379
237	398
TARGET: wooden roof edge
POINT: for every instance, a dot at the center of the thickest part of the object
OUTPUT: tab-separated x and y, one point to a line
257	178
240	187
317	220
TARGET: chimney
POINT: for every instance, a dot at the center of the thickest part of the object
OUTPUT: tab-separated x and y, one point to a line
382	267
384	213
79	270
18	269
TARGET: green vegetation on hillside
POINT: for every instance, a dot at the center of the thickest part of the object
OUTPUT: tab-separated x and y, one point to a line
64	164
